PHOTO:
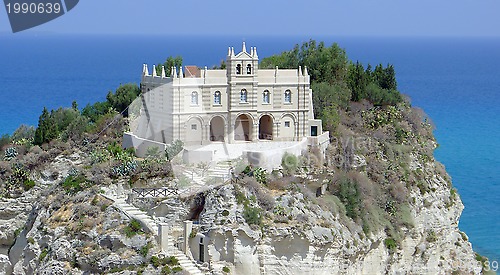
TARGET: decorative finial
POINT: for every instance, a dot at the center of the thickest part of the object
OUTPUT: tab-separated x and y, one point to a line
255	52
244	47
181	74
228	51
300	71
163	74
251	51
145	70
232	51
305	71
175	72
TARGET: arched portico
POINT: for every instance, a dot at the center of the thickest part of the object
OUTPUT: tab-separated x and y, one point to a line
243	128
266	127
217	131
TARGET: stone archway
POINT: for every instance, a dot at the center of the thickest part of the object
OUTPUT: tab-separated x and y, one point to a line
217	129
243	128
266	127
193	133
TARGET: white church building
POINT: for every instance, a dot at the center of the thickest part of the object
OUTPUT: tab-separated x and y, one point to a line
239	104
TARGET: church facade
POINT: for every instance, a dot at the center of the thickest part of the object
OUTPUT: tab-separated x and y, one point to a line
241	103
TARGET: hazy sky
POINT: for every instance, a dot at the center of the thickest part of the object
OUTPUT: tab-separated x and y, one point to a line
279	17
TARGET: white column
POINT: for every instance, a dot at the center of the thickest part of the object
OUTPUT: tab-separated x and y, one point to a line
188	228
163	236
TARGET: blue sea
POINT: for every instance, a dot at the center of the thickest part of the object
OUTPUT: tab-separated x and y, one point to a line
455	80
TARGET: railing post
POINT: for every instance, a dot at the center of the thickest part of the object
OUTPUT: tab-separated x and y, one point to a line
188	228
163	237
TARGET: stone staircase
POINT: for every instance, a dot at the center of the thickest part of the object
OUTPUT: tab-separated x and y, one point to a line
186	263
220	171
147	221
135	213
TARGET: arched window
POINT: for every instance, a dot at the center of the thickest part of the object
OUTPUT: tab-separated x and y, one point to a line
265	97
249	69
288	96
194	98
217	100
243	95
238	69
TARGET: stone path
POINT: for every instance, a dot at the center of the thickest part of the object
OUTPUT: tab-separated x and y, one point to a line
147	221
213	177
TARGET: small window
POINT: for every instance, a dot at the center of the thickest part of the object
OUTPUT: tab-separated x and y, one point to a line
238	69
243	95
194	127
217	100
194	98
265	97
287	124
288	96
249	69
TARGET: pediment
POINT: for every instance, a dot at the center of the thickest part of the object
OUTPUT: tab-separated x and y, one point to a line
243	55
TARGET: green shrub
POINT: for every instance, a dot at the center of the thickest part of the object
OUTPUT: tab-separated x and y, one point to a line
176	269
155	261
226	269
145	250
391	244
43	254
74	184
166	270
30	240
260	175
289	163
252	215
28	184
133	228
225	213
241	198
172	260
349	195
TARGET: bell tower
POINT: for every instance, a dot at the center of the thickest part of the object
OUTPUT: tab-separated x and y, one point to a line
243	66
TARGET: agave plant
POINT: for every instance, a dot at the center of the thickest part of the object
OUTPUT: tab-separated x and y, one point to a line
124	169
10	153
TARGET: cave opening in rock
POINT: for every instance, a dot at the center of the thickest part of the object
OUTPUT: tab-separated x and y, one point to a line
197	207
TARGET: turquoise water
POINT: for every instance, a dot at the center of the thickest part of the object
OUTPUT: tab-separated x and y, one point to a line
455	80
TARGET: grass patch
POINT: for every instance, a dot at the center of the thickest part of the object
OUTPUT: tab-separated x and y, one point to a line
133	228
74	184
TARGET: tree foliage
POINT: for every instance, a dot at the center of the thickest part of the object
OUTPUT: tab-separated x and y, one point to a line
118	101
335	80
168	64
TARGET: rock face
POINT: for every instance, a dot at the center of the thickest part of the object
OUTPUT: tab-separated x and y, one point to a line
246	227
314	241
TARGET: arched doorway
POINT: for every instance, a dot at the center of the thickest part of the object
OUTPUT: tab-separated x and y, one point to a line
266	127
217	129
243	128
193	131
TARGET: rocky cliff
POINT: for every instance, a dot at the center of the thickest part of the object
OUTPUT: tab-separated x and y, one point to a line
376	202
